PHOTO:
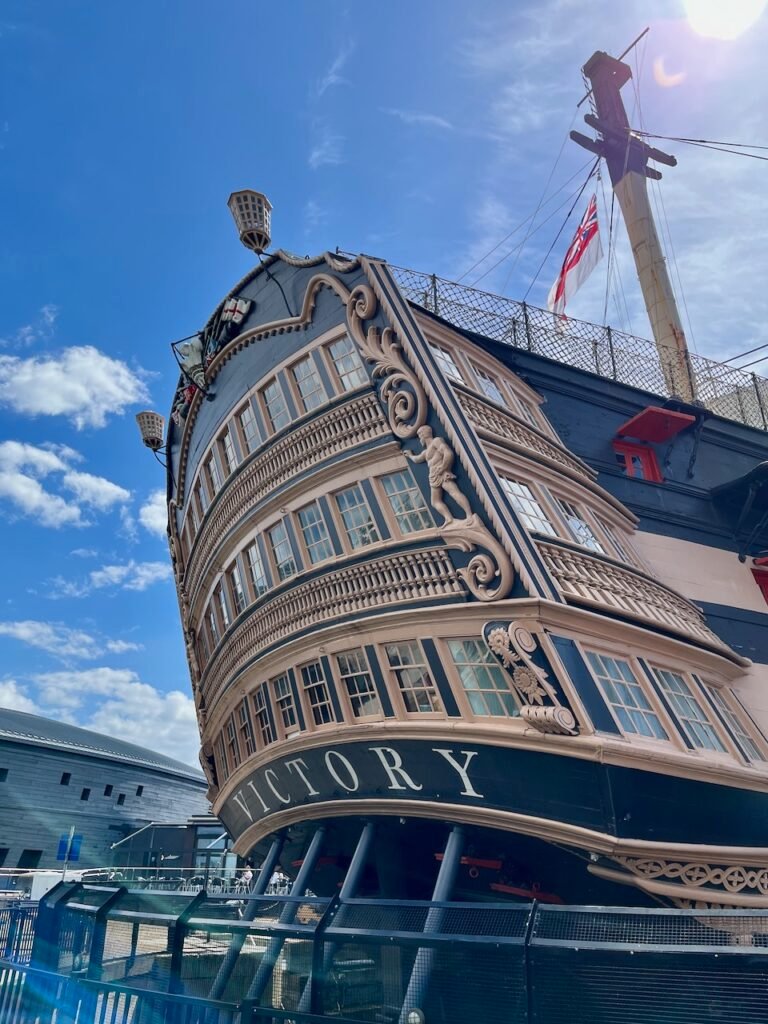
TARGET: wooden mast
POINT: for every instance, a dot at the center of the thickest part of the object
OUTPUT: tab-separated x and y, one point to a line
626	156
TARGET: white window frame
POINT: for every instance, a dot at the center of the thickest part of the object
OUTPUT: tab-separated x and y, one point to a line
347	364
528	507
643	706
687	721
485	663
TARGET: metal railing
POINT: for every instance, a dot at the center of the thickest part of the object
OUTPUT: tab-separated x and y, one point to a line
106	955
17	929
729	392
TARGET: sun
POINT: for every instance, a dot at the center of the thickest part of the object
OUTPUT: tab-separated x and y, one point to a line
723	19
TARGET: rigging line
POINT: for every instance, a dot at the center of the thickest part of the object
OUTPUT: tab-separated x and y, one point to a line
515	248
522	224
708	142
538	207
610	244
620	57
749	352
562	226
719	149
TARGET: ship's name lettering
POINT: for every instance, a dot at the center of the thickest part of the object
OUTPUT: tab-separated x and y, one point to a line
367	771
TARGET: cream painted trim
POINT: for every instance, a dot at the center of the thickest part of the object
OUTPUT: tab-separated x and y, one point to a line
679	892
589	840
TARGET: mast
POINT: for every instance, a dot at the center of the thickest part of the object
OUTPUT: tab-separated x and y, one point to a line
626	156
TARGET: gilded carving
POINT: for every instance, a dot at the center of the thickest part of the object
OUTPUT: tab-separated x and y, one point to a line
541	707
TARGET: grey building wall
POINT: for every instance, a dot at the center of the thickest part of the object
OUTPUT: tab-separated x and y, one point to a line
36	808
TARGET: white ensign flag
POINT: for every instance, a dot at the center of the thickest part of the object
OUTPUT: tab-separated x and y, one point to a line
583	254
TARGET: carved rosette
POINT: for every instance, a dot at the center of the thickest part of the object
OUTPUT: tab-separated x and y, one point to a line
724	879
513	645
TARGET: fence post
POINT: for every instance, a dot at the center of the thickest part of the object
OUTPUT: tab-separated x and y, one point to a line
14	916
611	353
435	301
526	321
45	945
178	934
756	385
527	967
99	935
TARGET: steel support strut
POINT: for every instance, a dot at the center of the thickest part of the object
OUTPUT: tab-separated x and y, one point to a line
347	891
287	915
422	965
238	938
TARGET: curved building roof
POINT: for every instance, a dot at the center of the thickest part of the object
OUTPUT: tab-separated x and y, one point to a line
20	727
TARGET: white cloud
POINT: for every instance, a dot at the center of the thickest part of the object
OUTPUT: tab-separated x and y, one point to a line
62	641
153	514
81	383
333	76
129	575
327	149
84	552
38	329
125	707
53	637
415	117
24	466
15	697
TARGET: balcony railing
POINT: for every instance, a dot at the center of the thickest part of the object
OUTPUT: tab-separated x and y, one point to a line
724	390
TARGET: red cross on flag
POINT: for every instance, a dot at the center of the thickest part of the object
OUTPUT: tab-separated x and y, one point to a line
235	310
580	260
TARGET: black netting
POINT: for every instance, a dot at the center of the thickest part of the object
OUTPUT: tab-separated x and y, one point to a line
650	928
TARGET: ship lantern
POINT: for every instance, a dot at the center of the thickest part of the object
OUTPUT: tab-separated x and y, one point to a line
252	213
151	425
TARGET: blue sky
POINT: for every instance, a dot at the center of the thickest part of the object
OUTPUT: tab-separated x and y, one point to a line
420	132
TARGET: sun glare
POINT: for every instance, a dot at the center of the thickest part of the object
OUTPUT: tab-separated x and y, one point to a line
723	19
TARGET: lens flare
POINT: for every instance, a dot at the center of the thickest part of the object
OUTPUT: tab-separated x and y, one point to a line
723	19
666	79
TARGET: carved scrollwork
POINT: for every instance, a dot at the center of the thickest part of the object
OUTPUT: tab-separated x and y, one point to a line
729	878
541	707
489	575
404	396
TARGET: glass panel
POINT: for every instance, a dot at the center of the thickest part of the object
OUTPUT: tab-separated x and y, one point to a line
355	676
245	726
228	451
626	696
407	503
409	668
309	384
489	385
347	362
446	363
691	714
236	589
356	517
281	548
284	701
316	689
737	727
277	409
247	420
525	503
578	527
483	679
261	715
315	533
256	568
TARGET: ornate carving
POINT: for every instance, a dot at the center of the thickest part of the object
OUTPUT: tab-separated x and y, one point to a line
541	706
728	878
439	457
391	580
401	390
208	764
590	580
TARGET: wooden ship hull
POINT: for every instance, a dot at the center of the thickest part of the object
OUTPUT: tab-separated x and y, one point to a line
406	601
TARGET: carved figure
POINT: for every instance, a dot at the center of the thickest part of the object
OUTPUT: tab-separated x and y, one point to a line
438	455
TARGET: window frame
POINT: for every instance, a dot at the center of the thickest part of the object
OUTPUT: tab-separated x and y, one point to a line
302	535
483	373
388	509
577	512
304	691
342	686
446	361
651	473
292	559
437	711
728	751
253	585
656	707
264	403
344	532
262	716
230	466
242	433
523	515
283	701
462	693
336	374
245	731
737	723
307	359
236	585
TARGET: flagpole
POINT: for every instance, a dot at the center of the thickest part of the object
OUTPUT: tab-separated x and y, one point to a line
627	157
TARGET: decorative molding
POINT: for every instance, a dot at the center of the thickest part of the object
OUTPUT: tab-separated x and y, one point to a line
541	707
692	884
592	581
394	580
341	428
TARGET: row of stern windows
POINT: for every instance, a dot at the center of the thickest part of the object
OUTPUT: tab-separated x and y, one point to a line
415	680
305	385
345	522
